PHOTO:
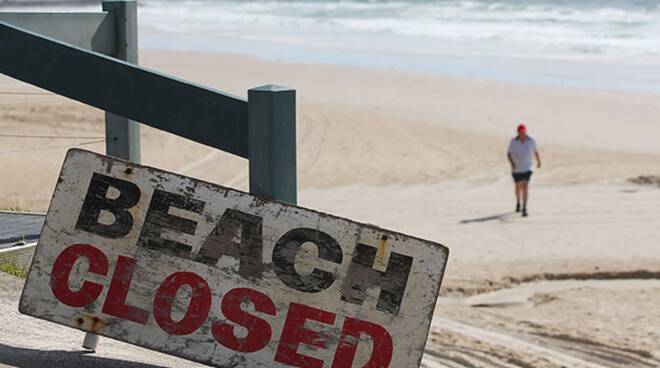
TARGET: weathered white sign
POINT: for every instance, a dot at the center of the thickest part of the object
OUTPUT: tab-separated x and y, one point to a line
225	278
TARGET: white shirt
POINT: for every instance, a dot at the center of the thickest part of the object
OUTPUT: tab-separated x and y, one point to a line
522	154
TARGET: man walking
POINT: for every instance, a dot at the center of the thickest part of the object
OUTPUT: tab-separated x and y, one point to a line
520	152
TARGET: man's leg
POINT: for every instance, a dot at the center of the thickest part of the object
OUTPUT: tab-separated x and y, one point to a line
525	194
518	187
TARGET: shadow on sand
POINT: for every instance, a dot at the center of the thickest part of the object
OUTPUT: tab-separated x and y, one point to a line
500	216
35	358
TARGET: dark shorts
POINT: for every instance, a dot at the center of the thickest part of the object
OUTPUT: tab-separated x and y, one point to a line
524	176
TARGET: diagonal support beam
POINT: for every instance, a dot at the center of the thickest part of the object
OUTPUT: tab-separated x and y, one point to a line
191	111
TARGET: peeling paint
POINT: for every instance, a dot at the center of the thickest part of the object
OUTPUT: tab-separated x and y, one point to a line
179	247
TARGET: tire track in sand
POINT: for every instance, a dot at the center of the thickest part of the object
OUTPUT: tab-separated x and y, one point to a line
495	349
513	343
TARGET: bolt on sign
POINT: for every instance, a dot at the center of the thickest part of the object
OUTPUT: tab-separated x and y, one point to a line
225	278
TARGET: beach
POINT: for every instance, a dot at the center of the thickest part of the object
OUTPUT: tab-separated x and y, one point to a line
425	154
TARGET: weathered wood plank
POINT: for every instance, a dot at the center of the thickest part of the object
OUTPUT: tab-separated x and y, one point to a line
226	278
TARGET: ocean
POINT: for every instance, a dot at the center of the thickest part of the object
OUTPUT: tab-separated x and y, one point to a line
604	44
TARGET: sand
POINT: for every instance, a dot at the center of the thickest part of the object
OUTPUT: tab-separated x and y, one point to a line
425	155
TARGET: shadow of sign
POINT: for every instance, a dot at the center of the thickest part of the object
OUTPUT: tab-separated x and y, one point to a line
33	358
500	217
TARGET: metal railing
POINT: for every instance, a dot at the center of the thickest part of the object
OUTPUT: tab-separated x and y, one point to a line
92	58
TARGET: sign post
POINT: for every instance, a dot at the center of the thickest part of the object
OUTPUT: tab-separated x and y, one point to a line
224	277
122	135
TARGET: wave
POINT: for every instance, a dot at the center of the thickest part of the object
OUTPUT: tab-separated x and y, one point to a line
472	32
562	28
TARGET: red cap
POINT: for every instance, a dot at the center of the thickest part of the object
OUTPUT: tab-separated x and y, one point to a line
522	128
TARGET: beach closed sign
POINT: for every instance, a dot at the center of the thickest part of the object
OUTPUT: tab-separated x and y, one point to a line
225	278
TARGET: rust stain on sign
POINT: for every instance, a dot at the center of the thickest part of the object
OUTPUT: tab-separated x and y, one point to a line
89	323
225	278
379	262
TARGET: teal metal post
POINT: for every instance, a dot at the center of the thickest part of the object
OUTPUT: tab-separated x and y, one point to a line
272	142
122	136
